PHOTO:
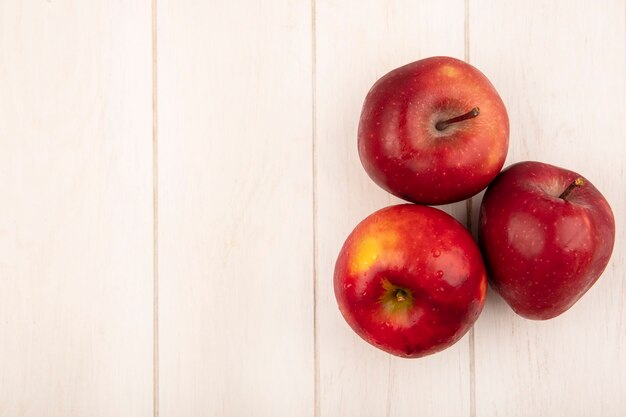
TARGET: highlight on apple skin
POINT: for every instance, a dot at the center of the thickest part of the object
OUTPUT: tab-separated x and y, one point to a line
434	131
547	235
410	280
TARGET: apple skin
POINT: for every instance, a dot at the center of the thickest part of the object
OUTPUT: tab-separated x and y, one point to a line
427	256
544	252
404	153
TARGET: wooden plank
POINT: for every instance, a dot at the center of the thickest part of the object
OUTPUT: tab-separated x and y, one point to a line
235	204
76	224
560	68
357	42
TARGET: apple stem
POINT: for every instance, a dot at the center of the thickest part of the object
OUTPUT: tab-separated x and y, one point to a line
469	115
578	182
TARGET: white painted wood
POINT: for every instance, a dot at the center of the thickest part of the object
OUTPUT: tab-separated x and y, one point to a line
76	213
357	42
238	160
561	70
235	204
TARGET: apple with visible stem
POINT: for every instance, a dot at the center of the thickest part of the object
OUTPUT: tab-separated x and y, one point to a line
434	131
410	280
547	235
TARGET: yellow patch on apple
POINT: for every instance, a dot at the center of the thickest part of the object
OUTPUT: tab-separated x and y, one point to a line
449	71
368	250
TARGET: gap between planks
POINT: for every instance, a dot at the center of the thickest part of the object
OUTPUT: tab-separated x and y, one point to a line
468	213
316	362
155	219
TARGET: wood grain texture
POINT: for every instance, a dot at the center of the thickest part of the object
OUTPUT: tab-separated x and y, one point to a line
358	42
561	70
259	183
76	224
236	209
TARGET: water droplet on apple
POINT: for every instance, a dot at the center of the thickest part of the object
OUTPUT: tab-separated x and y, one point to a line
346	286
439	274
436	253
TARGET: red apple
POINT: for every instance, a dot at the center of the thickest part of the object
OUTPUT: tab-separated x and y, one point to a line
547	234
410	280
433	132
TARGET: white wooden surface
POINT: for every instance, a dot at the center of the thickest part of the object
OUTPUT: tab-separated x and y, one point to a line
355	379
236	209
561	70
217	141
76	209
